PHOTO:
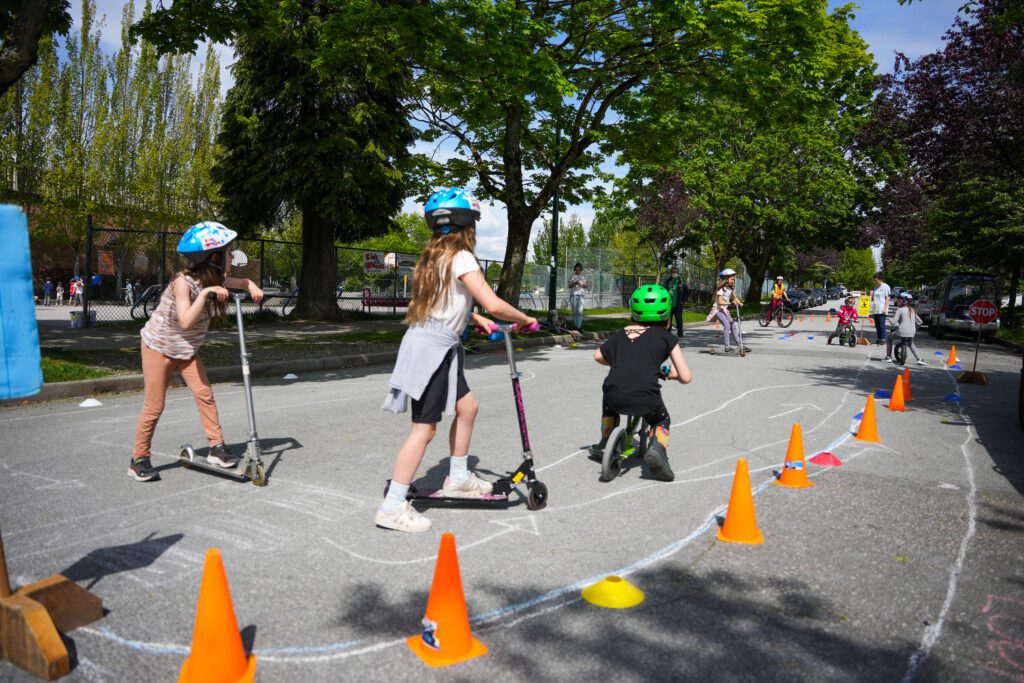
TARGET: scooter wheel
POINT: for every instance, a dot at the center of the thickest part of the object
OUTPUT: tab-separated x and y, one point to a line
538	496
259	477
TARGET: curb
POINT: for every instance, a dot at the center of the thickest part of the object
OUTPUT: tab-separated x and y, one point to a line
1007	344
229	373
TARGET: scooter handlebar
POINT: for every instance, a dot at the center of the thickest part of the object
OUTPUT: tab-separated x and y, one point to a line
232	293
526	329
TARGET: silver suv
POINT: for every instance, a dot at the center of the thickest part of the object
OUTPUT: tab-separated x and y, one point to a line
952	299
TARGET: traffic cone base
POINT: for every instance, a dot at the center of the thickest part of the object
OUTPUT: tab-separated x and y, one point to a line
868	430
217	654
248	677
794	470
896	401
436	658
445	637
740	524
613	592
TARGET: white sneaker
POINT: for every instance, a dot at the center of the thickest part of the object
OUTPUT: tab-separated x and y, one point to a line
473	487
921	362
405	518
887	359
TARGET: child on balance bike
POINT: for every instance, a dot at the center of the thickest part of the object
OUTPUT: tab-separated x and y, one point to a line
636	355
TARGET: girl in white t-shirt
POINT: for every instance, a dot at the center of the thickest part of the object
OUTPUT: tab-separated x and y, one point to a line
429	369
724	296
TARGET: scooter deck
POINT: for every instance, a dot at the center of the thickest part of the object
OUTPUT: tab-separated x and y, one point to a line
436	498
236	472
717	351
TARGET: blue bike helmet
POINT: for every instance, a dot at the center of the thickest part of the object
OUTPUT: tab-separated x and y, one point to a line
204	239
451	209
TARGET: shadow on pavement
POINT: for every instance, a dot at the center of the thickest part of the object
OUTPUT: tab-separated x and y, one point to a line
104	562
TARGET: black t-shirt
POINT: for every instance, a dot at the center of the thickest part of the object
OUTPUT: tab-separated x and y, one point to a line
631	386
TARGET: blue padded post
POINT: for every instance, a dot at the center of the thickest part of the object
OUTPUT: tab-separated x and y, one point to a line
20	371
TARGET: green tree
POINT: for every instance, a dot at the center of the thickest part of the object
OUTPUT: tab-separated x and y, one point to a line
323	143
572	239
528	69
856	269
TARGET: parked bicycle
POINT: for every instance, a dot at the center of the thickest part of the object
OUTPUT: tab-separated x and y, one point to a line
147	302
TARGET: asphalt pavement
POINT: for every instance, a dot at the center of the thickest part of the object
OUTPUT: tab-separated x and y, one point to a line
904	563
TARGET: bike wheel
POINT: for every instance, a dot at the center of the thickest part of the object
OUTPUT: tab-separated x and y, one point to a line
764	320
900	353
289	304
785	317
150	303
851	339
611	461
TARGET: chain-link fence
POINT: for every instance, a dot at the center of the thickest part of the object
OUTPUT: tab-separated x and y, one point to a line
125	271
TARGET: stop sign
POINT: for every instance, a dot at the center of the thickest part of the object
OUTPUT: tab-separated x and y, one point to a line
983	311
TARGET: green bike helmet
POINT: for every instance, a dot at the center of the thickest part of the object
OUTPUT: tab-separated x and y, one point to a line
650	304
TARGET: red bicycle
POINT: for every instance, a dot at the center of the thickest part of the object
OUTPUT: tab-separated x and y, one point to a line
783	316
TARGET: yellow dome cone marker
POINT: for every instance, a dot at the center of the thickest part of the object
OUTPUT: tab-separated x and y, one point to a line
613	592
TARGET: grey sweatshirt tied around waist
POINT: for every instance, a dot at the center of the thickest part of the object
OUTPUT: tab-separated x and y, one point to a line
423	349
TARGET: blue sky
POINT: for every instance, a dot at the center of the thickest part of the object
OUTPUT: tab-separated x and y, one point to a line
885	25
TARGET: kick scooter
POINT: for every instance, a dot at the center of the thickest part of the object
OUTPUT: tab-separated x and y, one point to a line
249	466
537	492
742	350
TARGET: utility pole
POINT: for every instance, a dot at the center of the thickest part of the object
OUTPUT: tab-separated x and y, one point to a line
553	278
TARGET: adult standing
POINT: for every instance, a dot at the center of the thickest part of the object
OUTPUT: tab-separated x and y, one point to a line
47	292
881	296
679	292
578	287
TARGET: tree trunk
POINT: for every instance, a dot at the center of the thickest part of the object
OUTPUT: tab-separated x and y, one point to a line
19	52
520	220
318	273
757	265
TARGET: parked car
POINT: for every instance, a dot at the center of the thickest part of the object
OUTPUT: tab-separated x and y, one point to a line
812	299
954	296
797	299
835	292
843	291
820	295
924	302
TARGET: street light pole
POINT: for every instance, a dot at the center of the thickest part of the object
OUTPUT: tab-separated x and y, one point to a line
553	278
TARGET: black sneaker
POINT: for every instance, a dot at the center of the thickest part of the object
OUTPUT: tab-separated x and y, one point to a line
220	457
596	452
142	470
656	460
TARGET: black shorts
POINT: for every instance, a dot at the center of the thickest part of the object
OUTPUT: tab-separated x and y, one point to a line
430	407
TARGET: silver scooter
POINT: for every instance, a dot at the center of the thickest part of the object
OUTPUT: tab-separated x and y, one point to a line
250	466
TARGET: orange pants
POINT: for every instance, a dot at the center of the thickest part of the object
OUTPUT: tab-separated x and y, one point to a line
157	370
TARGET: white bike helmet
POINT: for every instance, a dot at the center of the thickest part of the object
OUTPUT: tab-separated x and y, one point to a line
728	272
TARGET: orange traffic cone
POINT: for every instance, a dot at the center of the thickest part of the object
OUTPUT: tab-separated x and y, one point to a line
828	317
952	360
794	471
446	638
718	326
896	400
868	430
906	385
812	317
217	655
740	523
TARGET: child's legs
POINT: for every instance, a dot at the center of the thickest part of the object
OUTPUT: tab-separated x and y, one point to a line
194	374
411	452
461	432
609	420
913	348
660	423
156	372
888	347
726	321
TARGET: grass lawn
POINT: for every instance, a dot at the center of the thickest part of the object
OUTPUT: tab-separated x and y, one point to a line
1014	335
66	366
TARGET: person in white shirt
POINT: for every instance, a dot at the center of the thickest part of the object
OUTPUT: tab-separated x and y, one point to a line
881	296
429	368
577	294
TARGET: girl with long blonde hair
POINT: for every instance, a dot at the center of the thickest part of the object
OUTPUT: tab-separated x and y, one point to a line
429	370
